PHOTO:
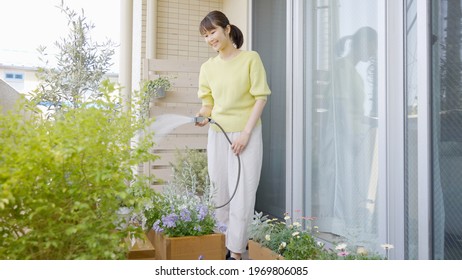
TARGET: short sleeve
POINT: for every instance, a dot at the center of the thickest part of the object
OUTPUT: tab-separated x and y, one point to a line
259	86
204	92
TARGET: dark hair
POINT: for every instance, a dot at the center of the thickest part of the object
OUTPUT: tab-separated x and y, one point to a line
216	18
359	40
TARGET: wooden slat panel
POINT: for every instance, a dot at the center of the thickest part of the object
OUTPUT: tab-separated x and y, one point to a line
177	142
164	174
173	65
178	97
186	130
189	110
179	80
165	158
181	100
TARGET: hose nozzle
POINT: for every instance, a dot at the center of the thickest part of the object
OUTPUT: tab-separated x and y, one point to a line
200	119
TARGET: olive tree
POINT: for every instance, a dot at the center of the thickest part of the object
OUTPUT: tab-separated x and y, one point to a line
80	66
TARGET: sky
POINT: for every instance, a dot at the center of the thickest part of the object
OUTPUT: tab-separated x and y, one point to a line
27	24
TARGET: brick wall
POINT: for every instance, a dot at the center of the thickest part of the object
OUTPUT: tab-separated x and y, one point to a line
181	49
178	29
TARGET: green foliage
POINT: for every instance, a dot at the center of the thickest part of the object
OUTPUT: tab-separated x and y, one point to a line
293	242
62	181
272	233
81	65
151	86
151	89
183	213
260	227
190	170
305	247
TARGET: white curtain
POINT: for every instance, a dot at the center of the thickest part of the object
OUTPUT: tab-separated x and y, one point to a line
345	120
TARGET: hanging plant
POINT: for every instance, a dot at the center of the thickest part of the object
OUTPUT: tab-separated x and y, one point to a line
157	88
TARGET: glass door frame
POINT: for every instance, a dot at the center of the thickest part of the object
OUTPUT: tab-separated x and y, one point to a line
391	93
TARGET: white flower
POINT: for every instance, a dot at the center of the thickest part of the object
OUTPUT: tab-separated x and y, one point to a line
387	246
282	245
341	246
361	251
295	233
297	224
267	237
320	244
286	217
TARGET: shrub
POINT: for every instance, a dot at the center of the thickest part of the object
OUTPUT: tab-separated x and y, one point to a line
80	68
62	179
190	170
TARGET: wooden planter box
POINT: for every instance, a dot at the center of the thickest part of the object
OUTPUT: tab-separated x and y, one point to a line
258	252
207	247
142	250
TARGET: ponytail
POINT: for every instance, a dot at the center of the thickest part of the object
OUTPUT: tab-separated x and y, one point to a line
236	36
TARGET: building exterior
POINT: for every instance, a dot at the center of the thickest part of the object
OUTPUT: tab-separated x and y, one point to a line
9	97
21	78
363	128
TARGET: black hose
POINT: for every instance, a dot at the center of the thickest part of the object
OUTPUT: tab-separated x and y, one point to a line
238	161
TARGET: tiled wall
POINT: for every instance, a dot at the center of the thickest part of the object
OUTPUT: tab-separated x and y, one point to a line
178	29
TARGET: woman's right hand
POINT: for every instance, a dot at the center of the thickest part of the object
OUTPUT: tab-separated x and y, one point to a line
203	122
205	112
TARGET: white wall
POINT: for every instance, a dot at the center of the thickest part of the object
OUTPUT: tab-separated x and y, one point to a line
237	12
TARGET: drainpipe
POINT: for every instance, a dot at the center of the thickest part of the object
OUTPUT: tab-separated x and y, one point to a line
151	29
126	39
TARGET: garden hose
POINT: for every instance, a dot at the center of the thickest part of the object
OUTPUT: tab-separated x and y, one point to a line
200	119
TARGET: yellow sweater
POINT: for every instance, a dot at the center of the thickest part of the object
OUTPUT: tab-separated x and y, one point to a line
231	88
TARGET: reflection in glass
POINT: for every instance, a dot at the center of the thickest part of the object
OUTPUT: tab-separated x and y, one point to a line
447	128
344	116
411	236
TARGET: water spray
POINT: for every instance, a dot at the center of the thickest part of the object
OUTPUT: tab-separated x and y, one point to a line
166	123
200	119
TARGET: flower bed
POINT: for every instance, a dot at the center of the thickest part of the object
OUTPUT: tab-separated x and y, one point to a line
273	239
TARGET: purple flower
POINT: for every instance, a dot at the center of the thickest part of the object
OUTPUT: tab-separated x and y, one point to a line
202	212
221	227
156	227
197	227
170	220
185	215
201	257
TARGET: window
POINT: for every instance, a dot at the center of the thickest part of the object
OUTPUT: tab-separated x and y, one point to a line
14	77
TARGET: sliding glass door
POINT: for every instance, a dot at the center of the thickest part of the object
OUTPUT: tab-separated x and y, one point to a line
343	68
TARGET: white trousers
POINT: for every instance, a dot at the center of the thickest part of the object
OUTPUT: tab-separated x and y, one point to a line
223	172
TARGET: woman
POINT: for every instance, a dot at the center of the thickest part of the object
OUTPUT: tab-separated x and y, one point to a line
233	89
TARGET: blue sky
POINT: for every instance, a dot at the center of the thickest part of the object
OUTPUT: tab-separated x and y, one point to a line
27	24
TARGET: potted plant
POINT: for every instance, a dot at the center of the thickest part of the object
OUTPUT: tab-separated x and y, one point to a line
272	239
156	88
184	226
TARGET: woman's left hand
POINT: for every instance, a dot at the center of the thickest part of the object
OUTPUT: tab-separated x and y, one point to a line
240	143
